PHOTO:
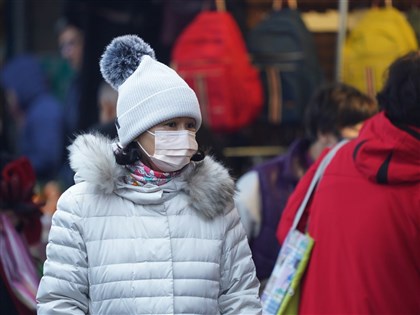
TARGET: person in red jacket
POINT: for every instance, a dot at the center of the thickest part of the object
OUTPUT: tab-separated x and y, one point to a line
365	213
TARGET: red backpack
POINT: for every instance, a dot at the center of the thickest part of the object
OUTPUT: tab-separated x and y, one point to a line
210	54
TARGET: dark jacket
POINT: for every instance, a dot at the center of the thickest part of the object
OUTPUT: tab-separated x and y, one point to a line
277	180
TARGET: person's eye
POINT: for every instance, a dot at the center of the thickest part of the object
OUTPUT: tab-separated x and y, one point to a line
191	125
171	124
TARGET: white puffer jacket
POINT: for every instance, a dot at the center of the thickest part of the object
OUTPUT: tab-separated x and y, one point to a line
119	249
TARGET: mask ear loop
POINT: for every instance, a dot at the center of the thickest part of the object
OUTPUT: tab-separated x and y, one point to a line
143	149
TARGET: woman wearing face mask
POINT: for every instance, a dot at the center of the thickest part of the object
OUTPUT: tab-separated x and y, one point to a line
150	226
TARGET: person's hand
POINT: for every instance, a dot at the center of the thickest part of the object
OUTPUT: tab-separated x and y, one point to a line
51	193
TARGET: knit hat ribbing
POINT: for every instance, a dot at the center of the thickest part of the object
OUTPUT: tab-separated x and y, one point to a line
149	92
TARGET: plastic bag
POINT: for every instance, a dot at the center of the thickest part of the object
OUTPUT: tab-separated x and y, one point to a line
17	264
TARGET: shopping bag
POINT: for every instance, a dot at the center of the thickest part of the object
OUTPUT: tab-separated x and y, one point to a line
17	264
282	292
283	286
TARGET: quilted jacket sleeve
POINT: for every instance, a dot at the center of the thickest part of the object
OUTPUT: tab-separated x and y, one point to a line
64	286
239	285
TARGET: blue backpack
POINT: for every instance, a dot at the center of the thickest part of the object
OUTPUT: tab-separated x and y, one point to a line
283	49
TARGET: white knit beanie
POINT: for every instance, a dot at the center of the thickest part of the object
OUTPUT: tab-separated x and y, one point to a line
149	92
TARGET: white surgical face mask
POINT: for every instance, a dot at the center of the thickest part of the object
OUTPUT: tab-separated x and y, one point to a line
173	149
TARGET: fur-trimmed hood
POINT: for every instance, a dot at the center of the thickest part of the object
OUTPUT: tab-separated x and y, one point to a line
207	183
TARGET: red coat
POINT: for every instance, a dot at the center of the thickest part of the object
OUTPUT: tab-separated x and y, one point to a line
365	219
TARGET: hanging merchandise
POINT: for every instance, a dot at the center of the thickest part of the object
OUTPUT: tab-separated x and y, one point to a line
210	54
382	35
284	51
413	17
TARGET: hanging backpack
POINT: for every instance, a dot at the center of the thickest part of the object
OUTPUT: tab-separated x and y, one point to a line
283	49
381	36
210	54
413	17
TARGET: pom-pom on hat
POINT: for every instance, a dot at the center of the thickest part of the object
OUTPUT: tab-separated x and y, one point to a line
149	92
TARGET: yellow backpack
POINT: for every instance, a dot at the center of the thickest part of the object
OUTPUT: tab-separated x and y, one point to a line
381	36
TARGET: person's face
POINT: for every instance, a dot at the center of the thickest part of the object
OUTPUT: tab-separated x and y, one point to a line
351	132
181	123
107	111
70	43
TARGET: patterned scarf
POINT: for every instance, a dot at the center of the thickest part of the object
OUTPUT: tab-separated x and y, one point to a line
141	175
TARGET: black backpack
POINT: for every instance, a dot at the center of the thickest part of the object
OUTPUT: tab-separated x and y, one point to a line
283	49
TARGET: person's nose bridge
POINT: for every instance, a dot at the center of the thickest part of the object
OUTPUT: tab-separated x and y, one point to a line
183	125
187	124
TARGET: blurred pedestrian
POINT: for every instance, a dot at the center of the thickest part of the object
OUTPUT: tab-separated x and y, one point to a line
37	114
364	216
335	111
71	45
150	227
107	103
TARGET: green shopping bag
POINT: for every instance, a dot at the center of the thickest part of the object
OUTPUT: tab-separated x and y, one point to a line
281	295
291	300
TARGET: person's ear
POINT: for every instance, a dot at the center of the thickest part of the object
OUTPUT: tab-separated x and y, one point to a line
351	132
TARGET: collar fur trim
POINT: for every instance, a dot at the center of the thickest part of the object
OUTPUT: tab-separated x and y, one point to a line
209	184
